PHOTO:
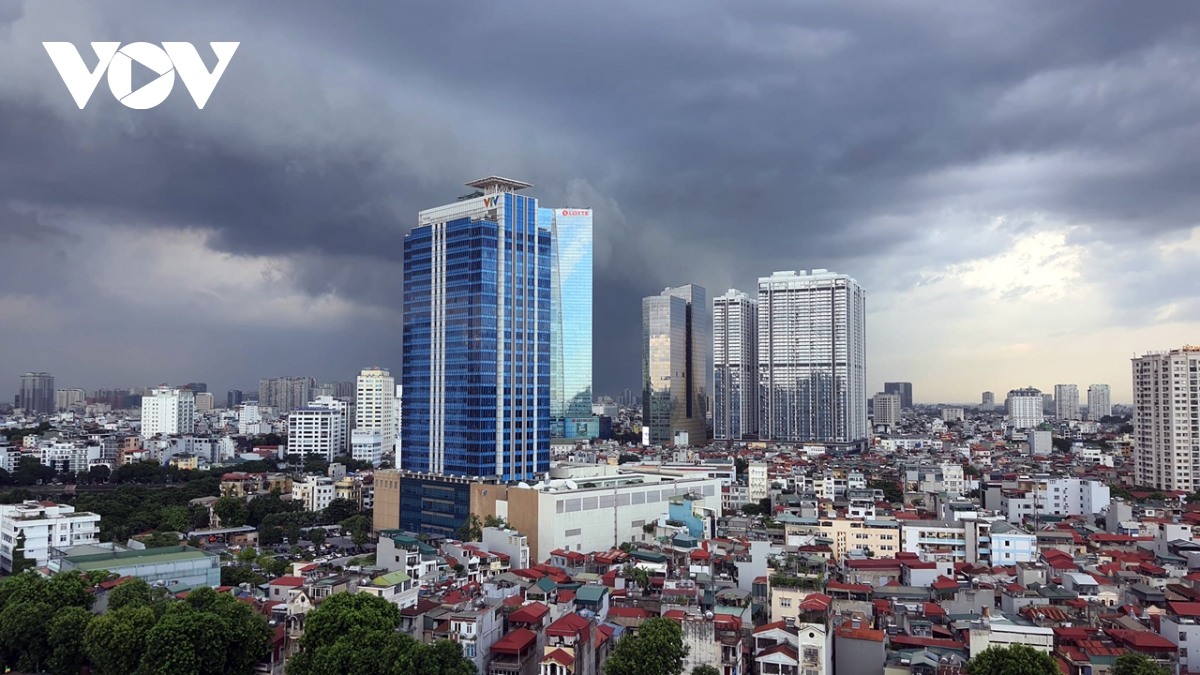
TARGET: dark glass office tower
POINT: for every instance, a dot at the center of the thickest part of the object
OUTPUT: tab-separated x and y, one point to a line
476	371
675	351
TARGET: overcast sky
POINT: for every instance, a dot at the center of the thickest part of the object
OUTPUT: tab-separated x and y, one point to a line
1015	184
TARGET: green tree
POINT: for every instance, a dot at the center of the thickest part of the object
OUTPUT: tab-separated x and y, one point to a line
231	511
657	649
356	635
186	642
25	635
249	634
235	576
161	539
19	562
317	536
359	528
339	510
705	669
471	530
175	518
1013	660
891	490
1137	663
493	521
115	641
751	509
66	631
247	555
130	593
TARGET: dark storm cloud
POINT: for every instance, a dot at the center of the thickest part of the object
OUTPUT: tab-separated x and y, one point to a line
718	141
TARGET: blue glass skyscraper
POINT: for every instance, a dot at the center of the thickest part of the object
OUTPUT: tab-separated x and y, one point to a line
570	322
476	369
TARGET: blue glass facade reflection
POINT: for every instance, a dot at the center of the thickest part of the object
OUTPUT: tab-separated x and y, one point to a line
570	322
476	369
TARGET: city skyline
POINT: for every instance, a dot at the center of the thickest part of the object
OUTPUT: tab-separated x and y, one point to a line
988	197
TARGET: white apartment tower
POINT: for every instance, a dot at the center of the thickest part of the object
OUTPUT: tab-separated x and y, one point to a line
812	358
375	405
1099	402
168	411
319	429
45	526
1024	407
1166	424
886	410
1066	402
735	366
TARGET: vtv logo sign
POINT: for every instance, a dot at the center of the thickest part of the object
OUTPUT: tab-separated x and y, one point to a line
173	57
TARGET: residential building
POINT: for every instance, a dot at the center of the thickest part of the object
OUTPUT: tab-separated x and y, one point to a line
1029	497
812	358
395	587
398	551
735	366
570	322
285	394
989	400
1166	424
476	371
510	544
1011	545
366	445
1066	401
570	647
168	410
204	401
1099	400
758	484
314	492
36	394
952	414
233	398
318	430
886	410
45	526
874	537
675	349
67	399
375	407
1024	408
599	514
903	390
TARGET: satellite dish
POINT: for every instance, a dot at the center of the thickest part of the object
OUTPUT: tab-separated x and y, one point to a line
708	615
539	485
523	485
571	485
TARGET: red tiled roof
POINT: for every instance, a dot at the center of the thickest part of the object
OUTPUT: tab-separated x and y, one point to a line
566	596
560	657
847	631
784	648
627	613
1184	608
288	581
569	625
515	641
944	584
1141	640
531	613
